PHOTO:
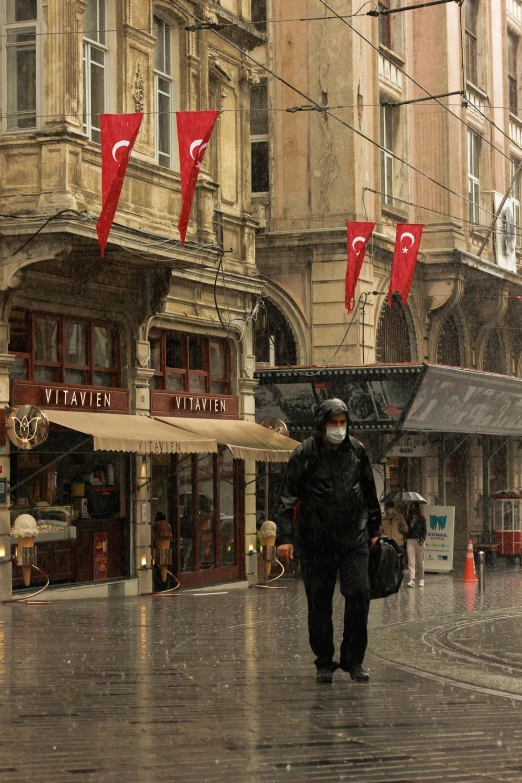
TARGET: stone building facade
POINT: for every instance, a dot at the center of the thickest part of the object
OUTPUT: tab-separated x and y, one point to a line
462	157
64	63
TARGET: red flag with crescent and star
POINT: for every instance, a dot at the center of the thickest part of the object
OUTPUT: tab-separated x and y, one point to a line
194	132
358	235
118	134
407	243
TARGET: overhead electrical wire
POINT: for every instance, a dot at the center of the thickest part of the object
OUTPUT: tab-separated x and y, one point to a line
325	110
417	84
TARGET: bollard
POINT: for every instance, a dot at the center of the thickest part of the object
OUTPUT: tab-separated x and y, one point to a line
482	576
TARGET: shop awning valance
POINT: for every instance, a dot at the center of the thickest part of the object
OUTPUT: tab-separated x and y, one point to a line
244	439
141	434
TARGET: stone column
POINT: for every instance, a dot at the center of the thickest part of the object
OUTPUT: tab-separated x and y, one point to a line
6	583
142	505
246	391
63	65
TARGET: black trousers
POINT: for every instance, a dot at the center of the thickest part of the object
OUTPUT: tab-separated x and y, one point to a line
319	571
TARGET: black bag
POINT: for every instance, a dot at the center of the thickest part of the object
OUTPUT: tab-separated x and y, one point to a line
386	568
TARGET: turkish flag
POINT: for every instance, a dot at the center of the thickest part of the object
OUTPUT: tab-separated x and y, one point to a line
194	131
407	243
358	235
118	134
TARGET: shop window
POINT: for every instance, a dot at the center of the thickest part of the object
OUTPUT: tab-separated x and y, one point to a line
448	347
95	56
260	179
208	505
20	31
54	349
393	335
274	342
190	363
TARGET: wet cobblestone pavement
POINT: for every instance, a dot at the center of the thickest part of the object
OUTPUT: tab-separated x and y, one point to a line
221	688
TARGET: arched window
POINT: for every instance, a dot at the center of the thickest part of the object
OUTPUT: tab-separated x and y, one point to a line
165	54
448	347
493	360
274	342
393	335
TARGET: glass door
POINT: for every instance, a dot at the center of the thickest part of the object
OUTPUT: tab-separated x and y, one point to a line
209	503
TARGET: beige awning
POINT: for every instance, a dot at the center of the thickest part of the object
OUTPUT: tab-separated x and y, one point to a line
119	432
245	439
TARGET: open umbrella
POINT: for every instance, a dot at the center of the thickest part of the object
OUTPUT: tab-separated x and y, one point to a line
404	497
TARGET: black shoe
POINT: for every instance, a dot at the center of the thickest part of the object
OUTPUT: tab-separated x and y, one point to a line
324	674
357	673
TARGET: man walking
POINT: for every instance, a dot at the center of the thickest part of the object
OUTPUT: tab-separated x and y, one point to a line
339	518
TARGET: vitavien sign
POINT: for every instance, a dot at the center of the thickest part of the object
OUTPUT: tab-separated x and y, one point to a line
164	403
66	398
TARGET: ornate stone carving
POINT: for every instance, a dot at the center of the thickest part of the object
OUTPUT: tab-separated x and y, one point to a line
249	75
139	89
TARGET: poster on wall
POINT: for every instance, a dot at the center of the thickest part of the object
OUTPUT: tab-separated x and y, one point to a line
440	521
101	555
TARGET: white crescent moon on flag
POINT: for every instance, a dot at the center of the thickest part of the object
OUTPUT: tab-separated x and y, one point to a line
357	239
201	150
407	234
117	146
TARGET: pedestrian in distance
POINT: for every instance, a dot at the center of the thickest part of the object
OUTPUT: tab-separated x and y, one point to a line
394	525
415	546
339	520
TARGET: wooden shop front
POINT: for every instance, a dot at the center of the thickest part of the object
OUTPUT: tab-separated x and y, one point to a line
78	496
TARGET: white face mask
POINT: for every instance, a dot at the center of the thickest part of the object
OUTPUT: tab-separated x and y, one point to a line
335	435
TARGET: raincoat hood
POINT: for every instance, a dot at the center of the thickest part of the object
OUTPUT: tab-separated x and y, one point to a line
324	410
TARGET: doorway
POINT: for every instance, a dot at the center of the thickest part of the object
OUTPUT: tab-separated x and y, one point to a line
204	495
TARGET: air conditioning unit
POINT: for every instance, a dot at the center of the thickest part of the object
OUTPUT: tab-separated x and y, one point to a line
505	234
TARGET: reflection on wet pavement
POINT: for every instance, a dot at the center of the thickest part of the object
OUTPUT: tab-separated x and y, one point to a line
222	688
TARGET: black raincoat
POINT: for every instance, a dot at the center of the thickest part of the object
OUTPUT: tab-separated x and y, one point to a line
339	509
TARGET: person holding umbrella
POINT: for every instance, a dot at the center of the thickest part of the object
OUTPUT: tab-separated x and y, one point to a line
415	547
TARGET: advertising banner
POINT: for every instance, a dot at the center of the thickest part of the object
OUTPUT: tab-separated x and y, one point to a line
440	521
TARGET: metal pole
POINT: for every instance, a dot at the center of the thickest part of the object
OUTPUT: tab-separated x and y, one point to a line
481	574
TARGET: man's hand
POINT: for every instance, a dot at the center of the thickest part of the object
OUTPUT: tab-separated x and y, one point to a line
373	541
285	552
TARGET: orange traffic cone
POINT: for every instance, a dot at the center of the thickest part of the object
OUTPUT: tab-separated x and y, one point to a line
470	574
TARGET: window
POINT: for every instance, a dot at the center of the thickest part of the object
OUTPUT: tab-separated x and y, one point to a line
274	342
94	67
260	180
190	363
163	93
385	36
512	72
493	355
515	194
53	349
470	40
473	178
393	334
259	14
388	134
20	63
448	347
